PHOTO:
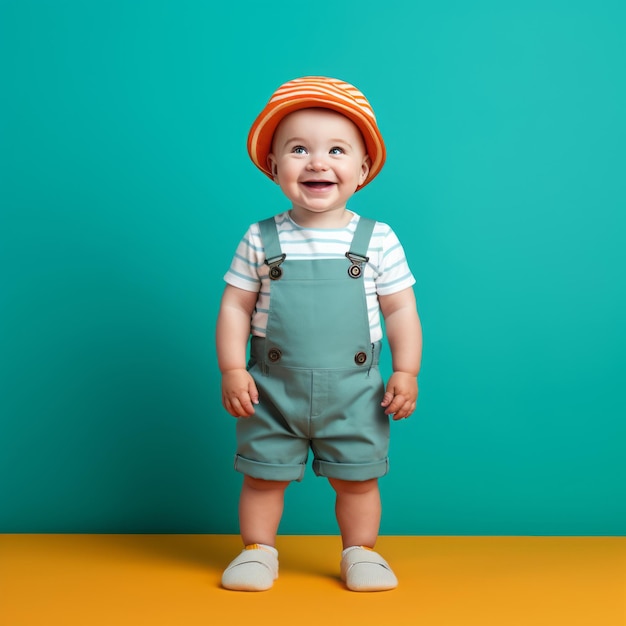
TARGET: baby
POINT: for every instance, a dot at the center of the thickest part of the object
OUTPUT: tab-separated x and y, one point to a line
306	290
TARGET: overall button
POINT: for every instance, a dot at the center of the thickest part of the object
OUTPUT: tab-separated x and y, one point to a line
275	273
354	271
360	358
274	355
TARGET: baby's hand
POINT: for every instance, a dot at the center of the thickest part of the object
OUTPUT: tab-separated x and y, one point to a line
401	395
239	393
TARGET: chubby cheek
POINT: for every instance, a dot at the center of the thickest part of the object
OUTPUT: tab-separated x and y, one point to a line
286	173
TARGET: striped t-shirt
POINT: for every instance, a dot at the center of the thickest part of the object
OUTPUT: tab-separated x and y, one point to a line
386	272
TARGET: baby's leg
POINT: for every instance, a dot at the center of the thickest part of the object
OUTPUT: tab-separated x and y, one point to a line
358	511
260	510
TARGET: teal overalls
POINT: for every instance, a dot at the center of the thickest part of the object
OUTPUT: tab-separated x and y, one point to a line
316	371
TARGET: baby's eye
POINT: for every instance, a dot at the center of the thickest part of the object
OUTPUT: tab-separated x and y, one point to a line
336	150
299	150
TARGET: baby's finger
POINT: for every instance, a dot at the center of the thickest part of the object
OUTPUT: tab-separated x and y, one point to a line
403	412
246	406
397	403
254	395
387	398
239	407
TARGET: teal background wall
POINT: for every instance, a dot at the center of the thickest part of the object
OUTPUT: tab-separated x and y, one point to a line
125	187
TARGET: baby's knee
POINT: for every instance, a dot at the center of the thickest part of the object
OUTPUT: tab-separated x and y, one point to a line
354	486
259	484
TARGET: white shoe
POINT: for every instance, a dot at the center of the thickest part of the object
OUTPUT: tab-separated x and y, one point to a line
362	569
255	569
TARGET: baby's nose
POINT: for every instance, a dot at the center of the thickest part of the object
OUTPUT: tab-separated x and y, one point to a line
318	162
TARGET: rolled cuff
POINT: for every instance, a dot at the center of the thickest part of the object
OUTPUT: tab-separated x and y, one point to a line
351	471
268	471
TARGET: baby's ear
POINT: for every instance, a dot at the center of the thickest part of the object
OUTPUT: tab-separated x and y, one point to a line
365	169
272	166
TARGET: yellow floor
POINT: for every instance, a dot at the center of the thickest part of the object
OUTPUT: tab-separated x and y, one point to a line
87	580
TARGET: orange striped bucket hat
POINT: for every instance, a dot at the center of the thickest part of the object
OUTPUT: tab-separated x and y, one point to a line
316	91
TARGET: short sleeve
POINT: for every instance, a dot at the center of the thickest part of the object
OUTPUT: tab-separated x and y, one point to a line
393	273
244	268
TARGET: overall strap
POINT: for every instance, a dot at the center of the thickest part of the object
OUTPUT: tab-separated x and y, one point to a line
269	236
362	235
273	252
358	248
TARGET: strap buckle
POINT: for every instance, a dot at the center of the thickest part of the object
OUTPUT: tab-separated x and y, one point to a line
274	264
356	264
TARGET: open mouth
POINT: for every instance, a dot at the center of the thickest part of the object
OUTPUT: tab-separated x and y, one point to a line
317	184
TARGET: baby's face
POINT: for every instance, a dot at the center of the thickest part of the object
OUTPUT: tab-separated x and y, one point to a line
318	158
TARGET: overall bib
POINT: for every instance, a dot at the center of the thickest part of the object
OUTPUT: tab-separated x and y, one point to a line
316	371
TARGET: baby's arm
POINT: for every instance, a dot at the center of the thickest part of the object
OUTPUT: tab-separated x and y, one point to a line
239	392
404	333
